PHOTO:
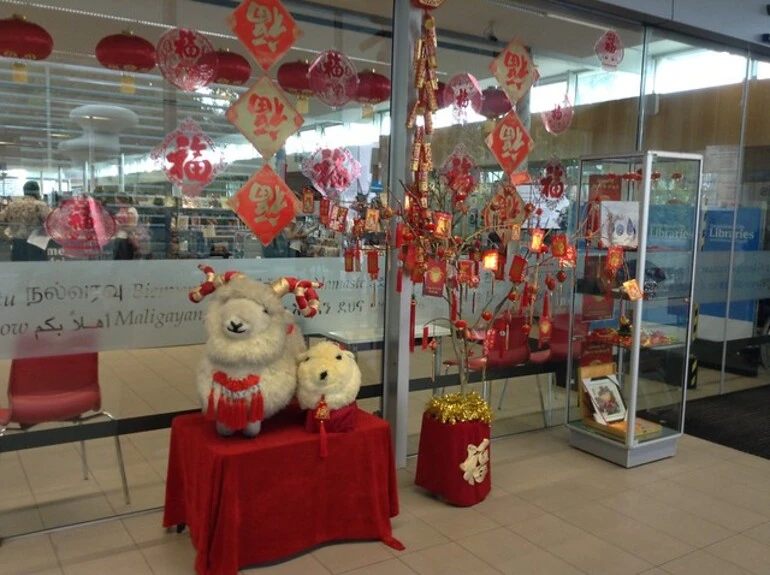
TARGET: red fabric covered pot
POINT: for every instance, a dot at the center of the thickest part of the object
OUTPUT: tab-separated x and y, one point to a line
444	447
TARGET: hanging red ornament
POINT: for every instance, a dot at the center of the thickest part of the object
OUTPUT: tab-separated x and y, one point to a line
349	257
293	78
492	103
412	323
333	78
81	225
23	40
186	59
460	91
609	48
561	276
558	119
514	70
324	207
460	173
127	53
332	171
536	241
190	159
559	245
510	143
373	89
518	265
552	184
545	324
230	68
490	260
373	264
338	219
435	278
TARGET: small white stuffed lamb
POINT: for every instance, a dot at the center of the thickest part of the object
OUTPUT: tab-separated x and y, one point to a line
249	370
328	381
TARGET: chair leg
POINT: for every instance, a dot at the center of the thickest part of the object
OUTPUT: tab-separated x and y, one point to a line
83	456
121	465
502	395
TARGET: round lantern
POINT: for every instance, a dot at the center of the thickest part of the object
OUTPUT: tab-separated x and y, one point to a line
491	103
129	54
231	68
440	99
373	89
293	78
23	40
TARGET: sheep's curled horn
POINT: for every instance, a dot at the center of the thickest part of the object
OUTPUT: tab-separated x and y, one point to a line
303	290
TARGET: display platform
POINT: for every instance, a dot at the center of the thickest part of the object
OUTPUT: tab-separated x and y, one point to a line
254	501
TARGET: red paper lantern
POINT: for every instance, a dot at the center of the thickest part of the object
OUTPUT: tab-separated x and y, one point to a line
492	103
23	40
440	99
373	88
128	53
293	78
231	68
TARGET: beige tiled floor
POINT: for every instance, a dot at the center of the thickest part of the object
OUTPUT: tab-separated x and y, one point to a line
552	511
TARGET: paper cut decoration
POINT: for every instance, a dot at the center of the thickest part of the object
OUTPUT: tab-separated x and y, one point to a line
559	118
265	204
552	184
514	70
81	225
460	91
186	59
265	116
460	173
265	28
510	143
189	157
609	48
333	78
332	171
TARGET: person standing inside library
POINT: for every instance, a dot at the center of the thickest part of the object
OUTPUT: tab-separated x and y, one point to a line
24	218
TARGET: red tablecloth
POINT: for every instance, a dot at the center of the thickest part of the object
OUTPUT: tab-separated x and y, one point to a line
251	501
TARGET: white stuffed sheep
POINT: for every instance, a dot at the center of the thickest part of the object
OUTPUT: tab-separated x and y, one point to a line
328	381
249	371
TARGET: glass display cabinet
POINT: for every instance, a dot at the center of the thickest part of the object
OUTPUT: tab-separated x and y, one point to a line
637	236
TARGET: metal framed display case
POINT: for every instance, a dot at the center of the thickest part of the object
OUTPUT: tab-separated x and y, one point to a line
640	217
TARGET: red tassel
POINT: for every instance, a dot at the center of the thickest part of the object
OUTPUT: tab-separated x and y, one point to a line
453	314
412	321
400	279
210	414
258	407
324	441
425	337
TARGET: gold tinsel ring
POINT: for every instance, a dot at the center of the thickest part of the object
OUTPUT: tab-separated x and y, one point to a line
458	408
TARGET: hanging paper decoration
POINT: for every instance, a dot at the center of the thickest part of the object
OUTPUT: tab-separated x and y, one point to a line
372	223
265	116
332	171
504	213
443	225
510	143
128	53
308	201
435	278
558	119
324	207
518	266
349	255
552	184
338	220
609	48
426	82
190	159
614	260
186	59
545	324
514	70
333	78
536	241
373	264
265	28
81	225
490	260
293	78
559	246
265	204
461	89
460	173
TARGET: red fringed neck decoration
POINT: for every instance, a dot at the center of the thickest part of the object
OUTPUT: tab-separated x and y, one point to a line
240	401
321	415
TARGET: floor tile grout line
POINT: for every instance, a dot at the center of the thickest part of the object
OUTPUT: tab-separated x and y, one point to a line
705	550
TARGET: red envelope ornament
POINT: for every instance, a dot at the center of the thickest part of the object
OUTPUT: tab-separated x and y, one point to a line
308	201
518	265
514	70
504	212
559	245
265	116
338	219
324	207
186	59
333	78
265	28
609	48
332	171
435	278
559	119
189	157
460	90
265	204
510	143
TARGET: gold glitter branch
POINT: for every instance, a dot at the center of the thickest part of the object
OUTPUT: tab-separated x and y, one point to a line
457	408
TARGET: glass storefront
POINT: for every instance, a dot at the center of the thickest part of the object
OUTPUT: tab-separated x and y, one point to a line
77	129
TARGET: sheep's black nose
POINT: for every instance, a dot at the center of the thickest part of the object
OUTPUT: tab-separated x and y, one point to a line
324	374
236	326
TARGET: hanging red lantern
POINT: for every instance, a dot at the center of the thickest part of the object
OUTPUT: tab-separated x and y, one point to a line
231	68
293	78
128	53
491	103
440	99
23	40
373	89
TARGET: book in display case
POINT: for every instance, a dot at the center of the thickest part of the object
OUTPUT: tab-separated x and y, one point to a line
632	305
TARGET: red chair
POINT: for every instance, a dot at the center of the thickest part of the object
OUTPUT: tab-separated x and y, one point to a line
57	388
559	343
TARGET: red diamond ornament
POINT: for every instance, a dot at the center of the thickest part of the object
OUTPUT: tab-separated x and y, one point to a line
510	142
266	29
265	204
265	116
